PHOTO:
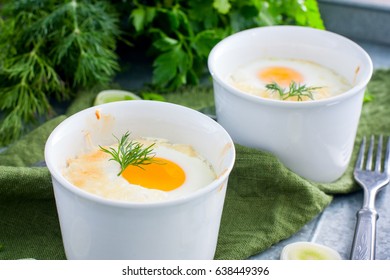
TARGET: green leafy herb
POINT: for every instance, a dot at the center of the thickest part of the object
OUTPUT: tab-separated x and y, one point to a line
182	32
51	49
130	152
294	90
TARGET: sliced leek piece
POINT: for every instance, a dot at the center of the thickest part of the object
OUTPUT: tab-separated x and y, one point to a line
308	251
113	95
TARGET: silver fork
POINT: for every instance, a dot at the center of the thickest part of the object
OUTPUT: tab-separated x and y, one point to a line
371	179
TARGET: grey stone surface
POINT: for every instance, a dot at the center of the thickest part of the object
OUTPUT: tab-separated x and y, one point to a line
335	227
360	20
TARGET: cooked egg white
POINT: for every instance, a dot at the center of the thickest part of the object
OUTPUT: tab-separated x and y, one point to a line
253	77
177	171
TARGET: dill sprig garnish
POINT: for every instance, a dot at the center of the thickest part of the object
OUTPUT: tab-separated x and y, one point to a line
130	152
294	90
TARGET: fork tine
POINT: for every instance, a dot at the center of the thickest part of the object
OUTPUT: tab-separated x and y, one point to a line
379	155
387	156
359	161
370	152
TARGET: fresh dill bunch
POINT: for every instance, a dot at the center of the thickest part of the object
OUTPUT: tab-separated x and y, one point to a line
130	152
49	50
294	90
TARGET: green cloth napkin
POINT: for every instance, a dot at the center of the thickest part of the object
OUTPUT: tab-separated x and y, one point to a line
265	202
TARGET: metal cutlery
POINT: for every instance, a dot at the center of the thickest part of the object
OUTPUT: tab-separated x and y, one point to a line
371	175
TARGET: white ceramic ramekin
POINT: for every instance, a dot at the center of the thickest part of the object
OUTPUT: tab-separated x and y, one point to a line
96	228
312	138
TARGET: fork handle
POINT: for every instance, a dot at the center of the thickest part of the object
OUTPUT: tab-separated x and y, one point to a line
363	246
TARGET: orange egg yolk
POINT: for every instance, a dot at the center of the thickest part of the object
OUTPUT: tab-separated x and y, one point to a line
161	174
281	75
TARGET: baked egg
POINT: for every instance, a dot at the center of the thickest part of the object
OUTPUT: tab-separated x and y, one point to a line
176	170
252	78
